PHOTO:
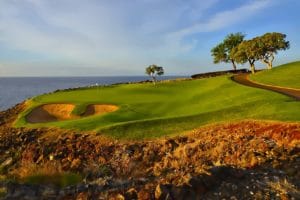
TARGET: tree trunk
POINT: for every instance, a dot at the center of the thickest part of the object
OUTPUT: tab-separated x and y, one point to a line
234	65
270	65
266	62
153	79
252	66
252	69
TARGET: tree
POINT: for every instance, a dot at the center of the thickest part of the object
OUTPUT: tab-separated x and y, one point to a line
230	42
219	53
153	71
222	51
269	45
247	51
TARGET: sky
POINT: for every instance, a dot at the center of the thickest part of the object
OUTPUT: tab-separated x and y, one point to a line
122	37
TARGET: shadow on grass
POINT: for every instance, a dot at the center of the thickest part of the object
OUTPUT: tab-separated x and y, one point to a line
147	129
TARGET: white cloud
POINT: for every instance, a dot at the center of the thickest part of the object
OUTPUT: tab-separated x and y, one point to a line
222	20
118	34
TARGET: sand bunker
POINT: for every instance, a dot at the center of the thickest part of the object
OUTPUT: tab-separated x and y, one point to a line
39	115
59	112
99	109
50	113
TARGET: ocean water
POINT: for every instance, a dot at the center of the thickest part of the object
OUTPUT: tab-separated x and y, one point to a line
14	90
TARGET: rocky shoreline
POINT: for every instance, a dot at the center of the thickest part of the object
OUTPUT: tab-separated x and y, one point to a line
238	160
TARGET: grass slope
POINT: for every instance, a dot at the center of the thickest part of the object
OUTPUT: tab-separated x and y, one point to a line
287	75
149	111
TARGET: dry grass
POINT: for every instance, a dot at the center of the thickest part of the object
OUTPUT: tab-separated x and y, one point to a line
30	169
284	188
50	173
3	191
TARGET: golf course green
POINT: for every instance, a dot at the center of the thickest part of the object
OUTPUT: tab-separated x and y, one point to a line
287	75
168	108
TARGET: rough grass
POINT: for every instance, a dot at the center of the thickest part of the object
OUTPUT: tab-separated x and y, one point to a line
49	173
3	192
61	180
287	75
149	111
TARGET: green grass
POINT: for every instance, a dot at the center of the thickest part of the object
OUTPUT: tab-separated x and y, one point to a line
287	75
3	192
169	108
61	180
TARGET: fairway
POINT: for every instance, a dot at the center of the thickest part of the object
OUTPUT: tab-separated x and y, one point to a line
287	75
168	108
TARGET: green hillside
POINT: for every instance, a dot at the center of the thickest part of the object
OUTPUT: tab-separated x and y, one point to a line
148	111
287	75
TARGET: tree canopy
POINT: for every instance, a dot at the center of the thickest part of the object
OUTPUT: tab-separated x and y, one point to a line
269	45
153	71
236	50
221	52
247	52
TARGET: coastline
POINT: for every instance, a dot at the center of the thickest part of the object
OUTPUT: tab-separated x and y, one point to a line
237	159
12	92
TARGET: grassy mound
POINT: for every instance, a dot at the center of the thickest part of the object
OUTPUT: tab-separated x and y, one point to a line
149	111
287	75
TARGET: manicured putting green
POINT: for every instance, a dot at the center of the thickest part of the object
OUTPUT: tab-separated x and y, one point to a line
168	108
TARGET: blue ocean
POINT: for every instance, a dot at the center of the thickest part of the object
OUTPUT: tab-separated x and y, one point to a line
14	90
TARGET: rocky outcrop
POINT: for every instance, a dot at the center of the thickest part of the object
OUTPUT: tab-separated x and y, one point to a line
8	116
